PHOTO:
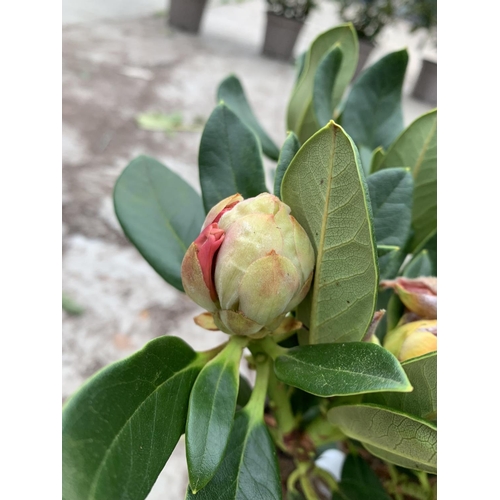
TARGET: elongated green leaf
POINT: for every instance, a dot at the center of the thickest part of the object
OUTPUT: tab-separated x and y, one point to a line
341	369
288	151
390	263
422	401
300	105
390	434
430	246
372	115
326	190
230	160
377	157
401	460
160	214
324	85
120	428
211	412
391	194
416	147
231	92
420	265
359	482
249	469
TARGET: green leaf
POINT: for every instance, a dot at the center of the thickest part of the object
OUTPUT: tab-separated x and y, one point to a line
211	411
395	309
300	110
324	85
359	482
419	265
422	401
377	158
430	246
249	469
372	115
230	160
390	263
416	148
120	428
341	369
288	151
231	92
391	194
160	214
390	434
325	188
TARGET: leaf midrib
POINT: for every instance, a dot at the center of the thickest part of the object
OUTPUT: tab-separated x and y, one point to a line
319	258
334	370
425	147
97	474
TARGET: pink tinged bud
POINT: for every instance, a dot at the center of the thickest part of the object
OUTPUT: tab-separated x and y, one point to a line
193	280
418	295
221	208
208	244
254	263
268	287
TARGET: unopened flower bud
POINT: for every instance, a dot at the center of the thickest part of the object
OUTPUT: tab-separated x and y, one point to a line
412	339
418	295
251	264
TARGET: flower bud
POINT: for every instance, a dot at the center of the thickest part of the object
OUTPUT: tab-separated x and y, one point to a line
412	339
418	295
251	264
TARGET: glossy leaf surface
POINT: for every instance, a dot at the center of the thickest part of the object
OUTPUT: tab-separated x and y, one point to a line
210	416
390	434
160	214
416	148
341	369
324	85
231	92
373	115
120	428
288	151
420	265
391	193
300	111
325	188
249	469
230	159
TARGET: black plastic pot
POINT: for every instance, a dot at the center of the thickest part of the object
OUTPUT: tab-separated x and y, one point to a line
426	87
186	14
281	35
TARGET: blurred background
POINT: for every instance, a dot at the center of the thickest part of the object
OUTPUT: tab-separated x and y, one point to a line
140	77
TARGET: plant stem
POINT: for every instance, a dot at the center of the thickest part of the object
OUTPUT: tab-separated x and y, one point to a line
394	481
280	404
424	482
255	406
308	488
234	343
271	348
327	478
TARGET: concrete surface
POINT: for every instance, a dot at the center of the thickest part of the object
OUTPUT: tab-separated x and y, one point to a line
119	60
